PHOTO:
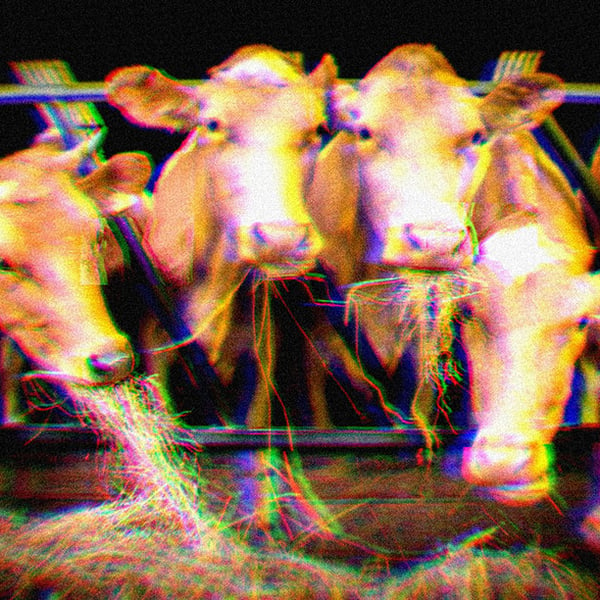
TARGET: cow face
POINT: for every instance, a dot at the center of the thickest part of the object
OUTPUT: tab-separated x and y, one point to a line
240	177
528	324
419	138
420	155
51	234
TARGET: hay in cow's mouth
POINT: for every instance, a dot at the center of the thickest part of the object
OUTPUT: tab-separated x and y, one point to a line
423	307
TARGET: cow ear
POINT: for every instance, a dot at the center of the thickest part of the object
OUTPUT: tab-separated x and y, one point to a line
324	75
179	227
148	98
522	101
118	184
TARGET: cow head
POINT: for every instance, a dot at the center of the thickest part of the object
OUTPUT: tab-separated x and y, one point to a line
414	143
237	185
51	233
528	325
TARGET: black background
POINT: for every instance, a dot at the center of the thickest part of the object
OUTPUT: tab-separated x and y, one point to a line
186	38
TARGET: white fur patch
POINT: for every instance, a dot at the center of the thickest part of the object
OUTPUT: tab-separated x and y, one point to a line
514	253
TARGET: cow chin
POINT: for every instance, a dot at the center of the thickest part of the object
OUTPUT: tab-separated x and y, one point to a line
285	270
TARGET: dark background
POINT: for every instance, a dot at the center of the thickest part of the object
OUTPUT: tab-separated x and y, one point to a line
186	38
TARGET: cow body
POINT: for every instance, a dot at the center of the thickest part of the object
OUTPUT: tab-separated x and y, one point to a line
51	262
231	201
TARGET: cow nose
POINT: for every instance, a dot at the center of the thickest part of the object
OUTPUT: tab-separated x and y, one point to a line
112	366
435	239
493	460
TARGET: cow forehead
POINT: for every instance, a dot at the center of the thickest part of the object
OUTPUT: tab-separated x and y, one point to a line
301	103
264	68
419	101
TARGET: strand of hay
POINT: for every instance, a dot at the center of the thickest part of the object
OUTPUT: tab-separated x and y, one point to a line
134	418
421	306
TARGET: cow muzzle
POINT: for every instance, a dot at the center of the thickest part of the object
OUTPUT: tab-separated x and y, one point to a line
431	247
279	249
513	470
111	364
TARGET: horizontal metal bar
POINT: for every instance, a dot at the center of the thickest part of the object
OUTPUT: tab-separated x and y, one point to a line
18	438
576	93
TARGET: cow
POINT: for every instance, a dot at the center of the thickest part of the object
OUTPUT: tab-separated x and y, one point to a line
530	325
426	178
55	251
231	199
393	196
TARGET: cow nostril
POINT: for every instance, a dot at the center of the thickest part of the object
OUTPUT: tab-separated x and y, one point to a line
110	366
412	239
439	239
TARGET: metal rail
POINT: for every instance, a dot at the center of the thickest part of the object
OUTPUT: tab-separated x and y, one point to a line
93	91
56	438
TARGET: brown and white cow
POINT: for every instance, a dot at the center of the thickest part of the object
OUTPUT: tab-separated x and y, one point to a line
394	192
232	198
429	178
529	326
51	261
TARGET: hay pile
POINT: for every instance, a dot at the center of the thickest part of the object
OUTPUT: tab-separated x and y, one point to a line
158	540
161	540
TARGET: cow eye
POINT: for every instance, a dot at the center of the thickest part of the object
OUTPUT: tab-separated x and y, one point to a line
322	130
364	133
5	266
478	138
213	125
